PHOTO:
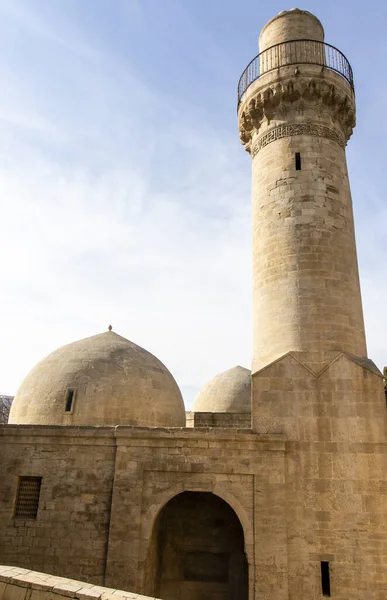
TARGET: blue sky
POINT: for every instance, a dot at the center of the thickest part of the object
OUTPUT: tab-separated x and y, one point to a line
124	190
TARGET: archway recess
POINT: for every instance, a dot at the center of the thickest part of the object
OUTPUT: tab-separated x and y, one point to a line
197	550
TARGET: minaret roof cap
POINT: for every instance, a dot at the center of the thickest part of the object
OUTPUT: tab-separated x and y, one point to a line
301	24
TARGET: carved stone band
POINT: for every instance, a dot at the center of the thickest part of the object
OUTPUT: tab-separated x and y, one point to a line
296	129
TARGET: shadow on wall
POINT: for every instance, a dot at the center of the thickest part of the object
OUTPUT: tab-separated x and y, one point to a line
197	551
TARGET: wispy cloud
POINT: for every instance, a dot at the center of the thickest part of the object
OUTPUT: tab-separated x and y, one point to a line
125	199
137	220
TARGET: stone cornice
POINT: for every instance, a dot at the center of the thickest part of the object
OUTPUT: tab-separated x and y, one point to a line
296	95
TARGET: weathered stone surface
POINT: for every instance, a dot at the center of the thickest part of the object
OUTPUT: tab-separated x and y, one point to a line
112	381
32	585
68	537
306	292
219	419
103	488
332	411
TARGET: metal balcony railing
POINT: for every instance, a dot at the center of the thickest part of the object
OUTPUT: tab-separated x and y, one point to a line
295	52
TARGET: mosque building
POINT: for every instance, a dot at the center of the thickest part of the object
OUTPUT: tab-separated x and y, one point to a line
275	486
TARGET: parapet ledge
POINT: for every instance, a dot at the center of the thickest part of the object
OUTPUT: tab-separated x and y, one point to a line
95	435
364	362
193	433
58	431
49	587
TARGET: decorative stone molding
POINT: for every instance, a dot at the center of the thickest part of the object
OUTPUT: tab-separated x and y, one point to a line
296	129
297	95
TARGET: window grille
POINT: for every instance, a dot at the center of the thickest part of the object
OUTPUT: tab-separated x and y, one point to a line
27	499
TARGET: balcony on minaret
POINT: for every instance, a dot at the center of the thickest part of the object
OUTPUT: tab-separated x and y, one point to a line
294	53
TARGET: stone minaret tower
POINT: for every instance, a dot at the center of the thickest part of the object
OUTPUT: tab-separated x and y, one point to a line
323	516
296	114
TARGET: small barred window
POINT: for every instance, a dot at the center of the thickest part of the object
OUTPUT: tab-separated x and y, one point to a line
27	499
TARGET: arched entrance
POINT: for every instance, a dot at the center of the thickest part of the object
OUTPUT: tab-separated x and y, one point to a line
197	551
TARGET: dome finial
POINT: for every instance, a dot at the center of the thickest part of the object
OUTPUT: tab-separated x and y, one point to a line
110	328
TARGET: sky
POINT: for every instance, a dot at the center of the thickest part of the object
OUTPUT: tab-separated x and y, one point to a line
125	192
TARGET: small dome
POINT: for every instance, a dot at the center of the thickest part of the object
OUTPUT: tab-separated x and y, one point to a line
229	391
103	380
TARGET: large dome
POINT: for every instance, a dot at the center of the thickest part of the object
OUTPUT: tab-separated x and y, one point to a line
101	380
229	392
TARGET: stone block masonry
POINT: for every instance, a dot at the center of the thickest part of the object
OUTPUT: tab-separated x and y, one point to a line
103	489
76	465
222	420
295	122
22	584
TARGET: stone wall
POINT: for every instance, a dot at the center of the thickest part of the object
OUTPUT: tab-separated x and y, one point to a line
69	536
154	466
103	489
223	420
308	485
331	408
22	584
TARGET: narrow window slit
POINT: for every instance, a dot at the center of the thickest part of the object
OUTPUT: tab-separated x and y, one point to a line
69	400
325	579
298	161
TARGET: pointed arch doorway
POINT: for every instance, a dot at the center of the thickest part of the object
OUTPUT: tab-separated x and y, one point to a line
197	551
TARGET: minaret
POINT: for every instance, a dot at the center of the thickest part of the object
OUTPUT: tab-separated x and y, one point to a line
320	509
296	113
